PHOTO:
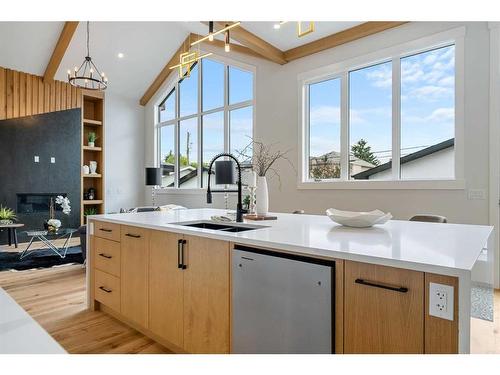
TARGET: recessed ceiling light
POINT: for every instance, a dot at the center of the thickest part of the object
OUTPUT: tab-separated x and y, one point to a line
121	55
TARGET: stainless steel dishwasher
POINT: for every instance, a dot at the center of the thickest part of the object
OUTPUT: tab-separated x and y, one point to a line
281	303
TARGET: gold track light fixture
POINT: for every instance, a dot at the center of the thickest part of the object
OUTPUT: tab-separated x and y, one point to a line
301	31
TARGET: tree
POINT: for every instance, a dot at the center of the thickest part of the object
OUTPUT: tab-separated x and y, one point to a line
183	160
325	170
362	151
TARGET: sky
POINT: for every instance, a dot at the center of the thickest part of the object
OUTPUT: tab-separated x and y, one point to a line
240	120
427	105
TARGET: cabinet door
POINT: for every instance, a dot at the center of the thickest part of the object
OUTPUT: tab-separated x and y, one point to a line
386	316
206	296
134	274
166	288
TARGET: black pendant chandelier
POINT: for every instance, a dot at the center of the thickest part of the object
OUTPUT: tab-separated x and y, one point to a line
88	76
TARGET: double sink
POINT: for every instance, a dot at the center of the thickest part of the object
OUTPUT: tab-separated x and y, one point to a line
222	227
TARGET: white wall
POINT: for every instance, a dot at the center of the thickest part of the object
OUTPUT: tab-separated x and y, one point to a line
124	147
277	121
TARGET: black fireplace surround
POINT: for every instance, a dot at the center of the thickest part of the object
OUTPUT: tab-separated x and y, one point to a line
26	185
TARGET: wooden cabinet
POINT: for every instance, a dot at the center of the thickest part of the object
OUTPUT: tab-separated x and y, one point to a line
166	288
189	292
134	274
206	296
384	309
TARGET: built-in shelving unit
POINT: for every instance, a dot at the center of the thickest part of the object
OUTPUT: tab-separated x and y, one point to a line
93	121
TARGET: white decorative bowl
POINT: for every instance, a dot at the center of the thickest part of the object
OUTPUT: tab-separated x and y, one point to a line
358	219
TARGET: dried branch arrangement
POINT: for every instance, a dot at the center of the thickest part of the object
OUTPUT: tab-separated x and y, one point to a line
263	157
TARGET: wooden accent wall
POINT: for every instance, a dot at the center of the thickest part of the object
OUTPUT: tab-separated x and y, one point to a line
23	94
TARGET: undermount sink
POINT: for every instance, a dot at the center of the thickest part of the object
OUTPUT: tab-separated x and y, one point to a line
223	227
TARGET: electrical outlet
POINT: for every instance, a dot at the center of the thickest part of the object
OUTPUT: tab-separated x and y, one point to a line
441	301
477	194
37	159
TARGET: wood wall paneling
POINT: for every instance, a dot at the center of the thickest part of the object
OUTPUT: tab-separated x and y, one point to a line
2	97
23	94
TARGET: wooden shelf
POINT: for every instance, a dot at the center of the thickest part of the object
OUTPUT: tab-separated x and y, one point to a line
92	202
95	175
88	148
92	122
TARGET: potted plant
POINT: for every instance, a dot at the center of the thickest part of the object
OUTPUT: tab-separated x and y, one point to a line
7	216
91	137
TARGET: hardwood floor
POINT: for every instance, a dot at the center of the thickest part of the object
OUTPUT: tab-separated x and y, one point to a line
55	298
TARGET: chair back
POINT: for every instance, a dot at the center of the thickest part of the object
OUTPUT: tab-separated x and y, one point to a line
429	218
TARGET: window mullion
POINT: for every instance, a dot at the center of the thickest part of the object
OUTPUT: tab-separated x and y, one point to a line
344	127
177	135
226	108
200	130
396	118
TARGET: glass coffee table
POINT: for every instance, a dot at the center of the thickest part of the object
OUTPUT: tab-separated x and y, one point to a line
49	239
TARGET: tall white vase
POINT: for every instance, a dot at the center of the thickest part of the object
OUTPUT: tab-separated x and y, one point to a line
262	206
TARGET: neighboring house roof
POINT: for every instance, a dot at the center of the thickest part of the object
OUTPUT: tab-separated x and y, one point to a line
406	159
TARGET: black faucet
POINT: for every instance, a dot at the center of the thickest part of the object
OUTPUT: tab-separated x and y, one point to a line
239	206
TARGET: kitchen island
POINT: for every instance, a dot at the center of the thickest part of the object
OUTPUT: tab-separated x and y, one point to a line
173	282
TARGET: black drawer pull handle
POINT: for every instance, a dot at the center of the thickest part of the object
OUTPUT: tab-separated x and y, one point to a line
105	289
179	254
106	230
133	235
105	256
400	289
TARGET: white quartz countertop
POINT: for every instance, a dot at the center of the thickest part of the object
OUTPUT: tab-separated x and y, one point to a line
20	334
449	249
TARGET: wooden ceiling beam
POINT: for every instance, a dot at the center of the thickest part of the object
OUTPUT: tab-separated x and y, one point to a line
253	42
342	37
61	46
165	72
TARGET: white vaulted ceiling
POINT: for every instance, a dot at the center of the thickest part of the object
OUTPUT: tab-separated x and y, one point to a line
147	47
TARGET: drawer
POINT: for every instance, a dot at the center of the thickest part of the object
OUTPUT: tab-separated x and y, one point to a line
107	290
107	256
108	231
134	236
383	309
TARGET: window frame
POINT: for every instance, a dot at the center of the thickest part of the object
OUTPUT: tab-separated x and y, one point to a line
393	54
225	109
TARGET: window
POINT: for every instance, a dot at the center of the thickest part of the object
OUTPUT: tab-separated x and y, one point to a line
428	114
391	118
324	130
206	113
370	119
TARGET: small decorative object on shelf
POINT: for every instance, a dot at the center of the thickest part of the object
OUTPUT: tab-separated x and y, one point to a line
90	211
91	194
93	167
7	216
85	169
92	136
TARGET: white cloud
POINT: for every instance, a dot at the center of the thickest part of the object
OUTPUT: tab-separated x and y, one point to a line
325	114
430	92
437	116
380	77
